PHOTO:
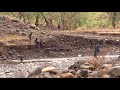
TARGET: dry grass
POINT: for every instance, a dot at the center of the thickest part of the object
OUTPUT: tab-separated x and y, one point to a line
14	39
82	30
97	63
9	62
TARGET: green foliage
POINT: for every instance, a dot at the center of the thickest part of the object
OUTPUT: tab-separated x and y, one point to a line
93	20
69	19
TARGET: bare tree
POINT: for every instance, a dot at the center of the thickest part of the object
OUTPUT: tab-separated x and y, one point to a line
113	18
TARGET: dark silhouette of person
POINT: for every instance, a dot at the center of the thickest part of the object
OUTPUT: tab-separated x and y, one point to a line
96	49
41	43
59	27
36	41
30	36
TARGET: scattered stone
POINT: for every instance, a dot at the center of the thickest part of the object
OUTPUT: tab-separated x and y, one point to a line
46	75
77	65
87	63
105	76
93	73
102	72
116	64
66	75
4	58
65	70
78	73
86	67
114	72
106	66
84	73
36	56
72	71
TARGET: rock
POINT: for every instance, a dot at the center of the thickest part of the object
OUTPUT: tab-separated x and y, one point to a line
4	58
7	71
89	71
77	65
55	76
10	52
17	30
87	63
116	64
84	73
93	73
2	43
79	55
102	72
86	67
66	75
106	66
23	34
36	56
105	76
50	69
72	71
46	75
65	70
114	72
1	73
35	71
78	73
8	26
3	76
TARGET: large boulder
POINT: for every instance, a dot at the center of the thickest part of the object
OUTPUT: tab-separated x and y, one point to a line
84	73
35	71
114	72
50	69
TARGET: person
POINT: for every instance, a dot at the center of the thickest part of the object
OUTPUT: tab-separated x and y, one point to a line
41	43
36	41
59	27
96	49
30	36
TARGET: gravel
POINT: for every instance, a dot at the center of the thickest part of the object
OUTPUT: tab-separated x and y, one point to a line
22	70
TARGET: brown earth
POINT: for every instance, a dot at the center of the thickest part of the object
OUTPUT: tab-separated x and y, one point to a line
55	43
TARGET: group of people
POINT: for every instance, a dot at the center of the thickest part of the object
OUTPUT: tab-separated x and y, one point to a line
40	44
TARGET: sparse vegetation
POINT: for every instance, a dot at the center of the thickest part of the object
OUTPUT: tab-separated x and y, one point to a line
64	46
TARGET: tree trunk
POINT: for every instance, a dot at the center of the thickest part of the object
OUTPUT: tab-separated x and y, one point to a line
114	19
63	24
20	15
47	22
37	21
24	19
28	19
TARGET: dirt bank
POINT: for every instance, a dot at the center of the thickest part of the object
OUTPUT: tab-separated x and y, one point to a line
60	46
